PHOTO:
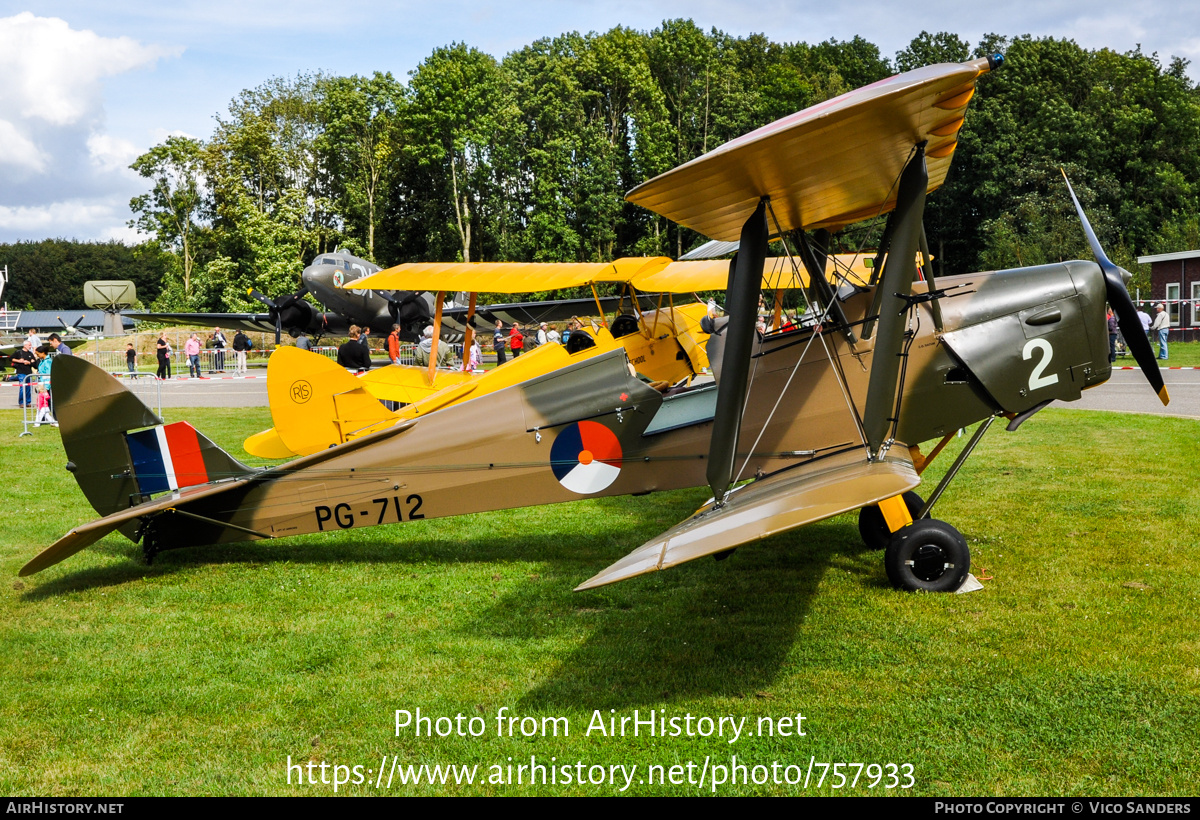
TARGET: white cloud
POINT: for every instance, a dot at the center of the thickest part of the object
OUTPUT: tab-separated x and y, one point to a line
18	151
53	73
89	217
112	154
64	174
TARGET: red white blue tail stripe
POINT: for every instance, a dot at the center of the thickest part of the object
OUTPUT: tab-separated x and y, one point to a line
167	458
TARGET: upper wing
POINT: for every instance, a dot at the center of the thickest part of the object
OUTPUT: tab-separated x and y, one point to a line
646	274
826	166
521	277
810	492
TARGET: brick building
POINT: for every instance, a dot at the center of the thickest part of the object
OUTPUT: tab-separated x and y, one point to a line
1175	279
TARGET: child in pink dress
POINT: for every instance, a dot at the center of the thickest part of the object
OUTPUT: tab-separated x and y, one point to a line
43	408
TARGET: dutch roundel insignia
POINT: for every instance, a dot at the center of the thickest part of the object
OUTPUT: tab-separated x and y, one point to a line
586	457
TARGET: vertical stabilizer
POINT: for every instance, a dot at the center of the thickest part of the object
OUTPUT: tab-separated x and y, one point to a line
119	450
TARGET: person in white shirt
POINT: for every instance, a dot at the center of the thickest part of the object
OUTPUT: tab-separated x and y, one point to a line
1162	324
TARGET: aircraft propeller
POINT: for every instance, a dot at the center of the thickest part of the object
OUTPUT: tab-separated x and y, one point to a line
409	309
277	307
71	328
1122	305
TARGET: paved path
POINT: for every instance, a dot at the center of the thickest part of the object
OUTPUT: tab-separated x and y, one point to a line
1128	392
214	392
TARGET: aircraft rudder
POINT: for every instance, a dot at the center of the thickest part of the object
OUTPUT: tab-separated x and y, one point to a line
119	451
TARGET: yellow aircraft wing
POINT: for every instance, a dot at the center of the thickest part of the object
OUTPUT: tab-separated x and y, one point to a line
826	166
409	384
647	274
508	277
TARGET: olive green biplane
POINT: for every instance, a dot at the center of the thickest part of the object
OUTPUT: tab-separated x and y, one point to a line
800	422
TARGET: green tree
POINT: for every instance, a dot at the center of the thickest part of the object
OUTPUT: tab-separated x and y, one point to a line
362	120
272	198
50	273
930	49
172	210
455	92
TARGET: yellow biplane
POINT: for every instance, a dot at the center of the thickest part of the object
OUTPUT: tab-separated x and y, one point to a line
316	404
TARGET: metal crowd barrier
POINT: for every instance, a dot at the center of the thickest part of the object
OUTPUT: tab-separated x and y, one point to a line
28	389
146	386
211	361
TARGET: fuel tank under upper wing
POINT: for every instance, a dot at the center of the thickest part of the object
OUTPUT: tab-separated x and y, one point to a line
785	500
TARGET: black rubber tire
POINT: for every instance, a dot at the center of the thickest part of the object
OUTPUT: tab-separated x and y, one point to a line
927	555
874	530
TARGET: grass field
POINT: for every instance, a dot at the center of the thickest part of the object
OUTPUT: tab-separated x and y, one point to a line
1076	671
1182	354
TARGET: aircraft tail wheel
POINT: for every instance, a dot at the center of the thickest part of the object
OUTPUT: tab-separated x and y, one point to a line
874	530
928	555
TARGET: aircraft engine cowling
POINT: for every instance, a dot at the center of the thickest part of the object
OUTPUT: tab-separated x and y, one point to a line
300	315
411	311
1032	335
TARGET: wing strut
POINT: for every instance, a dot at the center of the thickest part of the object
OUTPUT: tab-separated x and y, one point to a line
437	332
895	283
741	305
469	337
825	293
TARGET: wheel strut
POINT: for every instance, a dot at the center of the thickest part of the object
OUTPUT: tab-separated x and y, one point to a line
956	466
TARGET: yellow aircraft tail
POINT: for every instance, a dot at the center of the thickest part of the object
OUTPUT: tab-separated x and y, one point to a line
314	402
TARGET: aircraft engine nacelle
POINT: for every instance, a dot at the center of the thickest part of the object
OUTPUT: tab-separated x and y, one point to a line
1032	335
302	315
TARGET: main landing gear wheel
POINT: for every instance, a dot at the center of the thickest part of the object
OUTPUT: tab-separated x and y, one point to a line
874	530
927	555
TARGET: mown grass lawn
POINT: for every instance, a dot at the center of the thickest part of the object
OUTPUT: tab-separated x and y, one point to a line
1181	354
1076	671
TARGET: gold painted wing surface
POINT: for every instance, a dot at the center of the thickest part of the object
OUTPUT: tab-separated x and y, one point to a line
811	492
826	166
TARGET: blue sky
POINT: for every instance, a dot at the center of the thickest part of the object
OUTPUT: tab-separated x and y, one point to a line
89	86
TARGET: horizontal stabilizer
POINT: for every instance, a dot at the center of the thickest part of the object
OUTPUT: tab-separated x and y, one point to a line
814	491
267	444
88	534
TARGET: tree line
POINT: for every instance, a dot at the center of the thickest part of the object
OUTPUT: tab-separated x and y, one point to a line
49	274
528	158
